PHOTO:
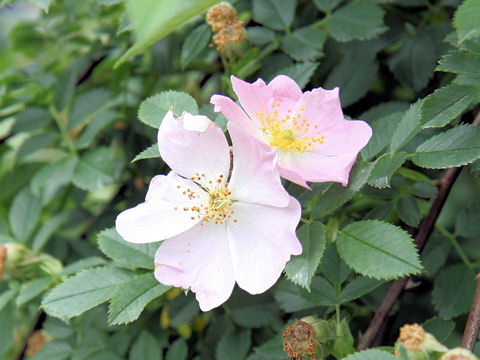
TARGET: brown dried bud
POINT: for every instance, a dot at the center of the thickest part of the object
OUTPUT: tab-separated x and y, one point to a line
458	354
417	343
35	343
299	340
3	256
224	22
412	335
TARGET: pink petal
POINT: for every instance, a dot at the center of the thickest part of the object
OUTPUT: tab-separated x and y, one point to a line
252	96
199	260
255	178
194	150
285	87
261	242
161	216
322	107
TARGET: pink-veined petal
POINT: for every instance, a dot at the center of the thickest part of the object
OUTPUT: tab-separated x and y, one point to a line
199	260
194	150
252	96
162	214
255	178
285	87
261	242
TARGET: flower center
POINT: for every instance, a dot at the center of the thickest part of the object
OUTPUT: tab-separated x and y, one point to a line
289	132
218	205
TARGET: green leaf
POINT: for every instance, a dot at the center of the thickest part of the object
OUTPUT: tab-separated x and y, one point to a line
153	109
98	168
382	130
304	44
435	253
408	127
460	62
439	328
53	350
408	210
354	75
343	343
446	104
287	296
333	267
272	349
456	147
194	43
453	291
37	142
301	72
54	175
357	288
149	153
259	35
65	88
356	21
83	291
99	121
337	195
31	289
145	347
413	64
154	19
321	293
378	250
300	269
233	345
82	264
275	14
371	354
47	230
384	168
42	4
136	255
253	311
131	297
466	20
6	297
424	189
467	223
87	105
23	214
6	126
178	350
327	5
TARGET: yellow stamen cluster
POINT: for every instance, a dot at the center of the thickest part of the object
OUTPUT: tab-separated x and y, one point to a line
299	340
217	205
224	22
289	133
412	335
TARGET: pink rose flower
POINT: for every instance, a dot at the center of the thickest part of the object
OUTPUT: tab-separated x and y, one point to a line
313	140
218	225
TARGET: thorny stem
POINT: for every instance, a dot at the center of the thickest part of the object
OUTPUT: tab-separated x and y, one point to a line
426	228
473	323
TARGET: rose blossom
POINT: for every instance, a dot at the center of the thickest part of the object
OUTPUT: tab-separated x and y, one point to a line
217	228
313	140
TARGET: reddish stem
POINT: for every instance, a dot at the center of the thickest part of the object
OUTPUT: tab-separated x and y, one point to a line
473	323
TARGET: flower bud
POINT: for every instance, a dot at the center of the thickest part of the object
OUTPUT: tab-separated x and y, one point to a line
417	343
458	354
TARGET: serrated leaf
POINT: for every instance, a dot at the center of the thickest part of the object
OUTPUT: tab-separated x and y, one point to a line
333	268
321	293
354	75
300	269
178	350
131	297
136	255
467	223
371	354
234	345
31	289
378	250
54	175
455	147
98	122
446	104
253	311
408	127
275	14
439	328
357	288
154	19
304	44
194	43
336	195
64	88
424	189
384	168
466	20
47	230
413	64
87	105
382	130
453	291
408	210
98	168
460	62
287	296
53	350
435	253
23	214
327	5
301	72
259	35
153	109
83	291
149	153
356	21
145	347
82	264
